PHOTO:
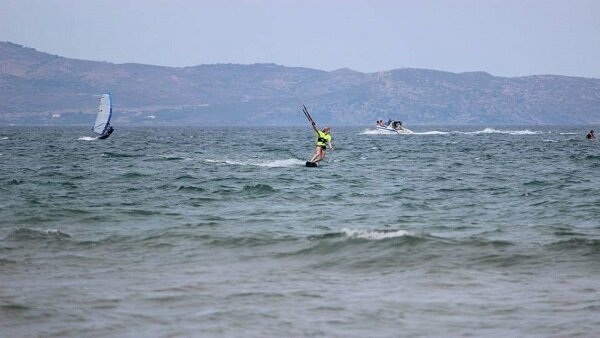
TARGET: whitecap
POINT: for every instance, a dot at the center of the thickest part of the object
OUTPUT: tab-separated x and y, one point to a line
372	234
32	233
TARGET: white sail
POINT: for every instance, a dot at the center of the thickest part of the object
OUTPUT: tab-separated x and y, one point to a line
104	114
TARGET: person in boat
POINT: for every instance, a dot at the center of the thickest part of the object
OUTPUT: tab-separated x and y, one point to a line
323	139
590	135
107	132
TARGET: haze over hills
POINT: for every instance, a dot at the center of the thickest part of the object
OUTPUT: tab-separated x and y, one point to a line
40	88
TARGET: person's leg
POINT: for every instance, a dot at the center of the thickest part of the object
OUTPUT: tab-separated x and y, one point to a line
322	155
316	155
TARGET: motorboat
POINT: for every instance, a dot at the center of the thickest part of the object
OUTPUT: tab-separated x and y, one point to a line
393	127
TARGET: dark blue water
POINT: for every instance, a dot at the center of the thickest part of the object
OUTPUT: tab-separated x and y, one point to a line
223	232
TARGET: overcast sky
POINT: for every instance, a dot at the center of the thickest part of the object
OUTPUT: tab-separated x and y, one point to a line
502	37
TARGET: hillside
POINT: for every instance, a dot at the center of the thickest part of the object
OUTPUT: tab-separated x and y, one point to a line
39	88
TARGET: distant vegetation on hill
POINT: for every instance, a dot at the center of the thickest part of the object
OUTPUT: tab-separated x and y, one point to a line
39	88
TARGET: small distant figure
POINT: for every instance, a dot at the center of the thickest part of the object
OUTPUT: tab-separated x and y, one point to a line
590	135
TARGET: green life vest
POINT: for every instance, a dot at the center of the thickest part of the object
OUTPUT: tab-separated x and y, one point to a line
322	138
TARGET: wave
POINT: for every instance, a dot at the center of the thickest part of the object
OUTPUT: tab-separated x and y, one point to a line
24	234
134	174
350	237
258	189
172	158
587	247
189	188
119	155
186	177
372	234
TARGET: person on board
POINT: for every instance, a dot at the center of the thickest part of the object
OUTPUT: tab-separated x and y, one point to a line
107	132
323	139
590	135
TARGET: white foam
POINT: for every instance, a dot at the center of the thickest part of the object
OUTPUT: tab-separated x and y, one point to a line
290	162
433	132
371	234
48	232
376	132
4	138
509	132
87	138
437	132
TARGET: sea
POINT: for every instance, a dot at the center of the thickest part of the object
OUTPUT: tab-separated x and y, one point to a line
483	231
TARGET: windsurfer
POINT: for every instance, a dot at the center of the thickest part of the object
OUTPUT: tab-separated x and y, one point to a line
109	130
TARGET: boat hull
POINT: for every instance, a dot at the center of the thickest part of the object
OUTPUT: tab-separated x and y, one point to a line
403	131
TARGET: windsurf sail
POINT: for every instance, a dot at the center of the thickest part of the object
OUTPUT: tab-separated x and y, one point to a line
104	114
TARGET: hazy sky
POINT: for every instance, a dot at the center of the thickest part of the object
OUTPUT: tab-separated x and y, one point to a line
502	37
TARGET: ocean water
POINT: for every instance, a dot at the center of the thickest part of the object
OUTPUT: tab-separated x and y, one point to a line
222	232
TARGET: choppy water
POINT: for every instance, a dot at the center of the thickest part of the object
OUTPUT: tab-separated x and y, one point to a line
224	233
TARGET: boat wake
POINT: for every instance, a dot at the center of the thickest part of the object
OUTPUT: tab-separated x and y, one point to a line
375	132
457	132
87	138
434	132
509	132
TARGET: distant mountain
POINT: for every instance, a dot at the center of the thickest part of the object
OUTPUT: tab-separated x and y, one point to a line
39	88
